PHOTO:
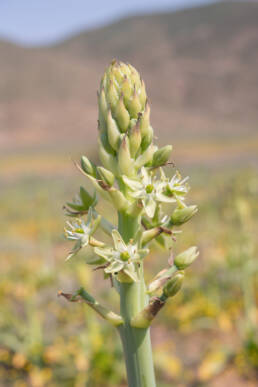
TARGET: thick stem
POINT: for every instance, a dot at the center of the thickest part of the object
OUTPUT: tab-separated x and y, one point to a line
136	341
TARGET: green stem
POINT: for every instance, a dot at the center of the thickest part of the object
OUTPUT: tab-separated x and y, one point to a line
136	341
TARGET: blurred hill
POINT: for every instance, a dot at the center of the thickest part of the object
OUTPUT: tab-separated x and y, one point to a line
200	67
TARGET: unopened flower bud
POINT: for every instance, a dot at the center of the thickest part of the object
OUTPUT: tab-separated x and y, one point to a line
135	139
112	96
88	167
134	105
103	107
146	157
106	176
127	89
182	215
125	162
143	95
147	139
113	132
173	285
186	258
122	115
161	156
145	121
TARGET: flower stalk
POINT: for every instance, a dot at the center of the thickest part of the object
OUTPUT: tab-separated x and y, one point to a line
132	179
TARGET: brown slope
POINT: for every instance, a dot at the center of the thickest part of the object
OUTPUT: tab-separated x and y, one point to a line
200	66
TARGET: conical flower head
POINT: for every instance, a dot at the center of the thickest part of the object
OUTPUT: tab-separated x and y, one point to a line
124	124
123	92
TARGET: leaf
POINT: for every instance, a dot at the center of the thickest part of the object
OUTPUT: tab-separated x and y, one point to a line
150	207
76	207
86	198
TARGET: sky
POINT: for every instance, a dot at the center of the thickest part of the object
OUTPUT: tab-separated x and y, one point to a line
34	22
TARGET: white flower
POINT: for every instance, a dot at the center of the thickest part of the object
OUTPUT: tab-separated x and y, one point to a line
80	231
122	258
176	187
149	189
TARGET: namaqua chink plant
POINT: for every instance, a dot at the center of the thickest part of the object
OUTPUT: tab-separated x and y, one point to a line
132	179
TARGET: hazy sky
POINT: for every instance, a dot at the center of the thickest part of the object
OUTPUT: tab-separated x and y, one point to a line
43	21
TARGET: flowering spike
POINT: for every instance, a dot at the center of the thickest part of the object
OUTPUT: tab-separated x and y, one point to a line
132	180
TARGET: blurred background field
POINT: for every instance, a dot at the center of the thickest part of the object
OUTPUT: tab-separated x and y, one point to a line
200	66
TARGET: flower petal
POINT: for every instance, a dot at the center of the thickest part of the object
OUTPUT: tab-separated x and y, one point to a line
130	271
118	241
114	267
135	185
105	253
145	177
150	206
165	199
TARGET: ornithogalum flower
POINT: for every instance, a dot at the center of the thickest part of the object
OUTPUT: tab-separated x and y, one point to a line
148	189
122	258
80	231
176	187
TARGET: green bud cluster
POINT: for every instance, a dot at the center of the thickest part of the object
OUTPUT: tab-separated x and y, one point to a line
125	133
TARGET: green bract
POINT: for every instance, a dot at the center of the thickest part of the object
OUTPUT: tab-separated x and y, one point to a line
81	203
